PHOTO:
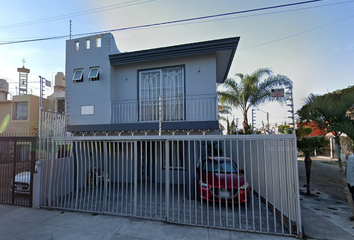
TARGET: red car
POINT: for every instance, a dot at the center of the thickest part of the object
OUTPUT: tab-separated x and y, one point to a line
219	180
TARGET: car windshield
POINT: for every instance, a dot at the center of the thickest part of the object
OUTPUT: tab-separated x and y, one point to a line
220	166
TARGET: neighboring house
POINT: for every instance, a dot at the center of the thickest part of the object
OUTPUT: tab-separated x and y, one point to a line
109	91
57	99
316	130
20	116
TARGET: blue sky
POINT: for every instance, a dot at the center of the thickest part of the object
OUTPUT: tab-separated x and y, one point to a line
312	44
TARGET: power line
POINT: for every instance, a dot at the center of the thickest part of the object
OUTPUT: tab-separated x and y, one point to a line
167	22
212	20
76	14
269	13
299	33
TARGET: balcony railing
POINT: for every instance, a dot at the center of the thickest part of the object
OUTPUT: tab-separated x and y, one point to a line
190	108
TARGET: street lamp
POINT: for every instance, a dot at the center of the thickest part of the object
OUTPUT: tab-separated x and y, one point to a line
267	119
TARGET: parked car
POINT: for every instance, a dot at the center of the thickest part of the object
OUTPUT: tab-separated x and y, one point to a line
22	183
219	180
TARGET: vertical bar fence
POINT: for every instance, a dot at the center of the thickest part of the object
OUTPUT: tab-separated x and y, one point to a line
245	183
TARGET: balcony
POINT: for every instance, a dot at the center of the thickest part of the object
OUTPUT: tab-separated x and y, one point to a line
189	108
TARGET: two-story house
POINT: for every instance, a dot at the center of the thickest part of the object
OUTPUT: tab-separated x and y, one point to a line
109	91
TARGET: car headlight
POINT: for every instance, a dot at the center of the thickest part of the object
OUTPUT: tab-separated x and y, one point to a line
203	185
245	186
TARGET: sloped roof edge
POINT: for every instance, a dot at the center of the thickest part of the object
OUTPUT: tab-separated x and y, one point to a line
177	51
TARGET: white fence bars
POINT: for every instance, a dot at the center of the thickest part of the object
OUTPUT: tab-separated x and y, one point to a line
52	124
244	183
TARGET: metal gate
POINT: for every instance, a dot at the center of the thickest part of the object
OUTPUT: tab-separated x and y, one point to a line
162	178
17	158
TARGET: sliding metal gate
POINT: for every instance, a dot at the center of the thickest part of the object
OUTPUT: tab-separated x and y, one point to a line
17	158
160	178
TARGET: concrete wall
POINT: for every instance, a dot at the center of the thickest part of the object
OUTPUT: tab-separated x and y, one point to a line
121	82
28	126
89	93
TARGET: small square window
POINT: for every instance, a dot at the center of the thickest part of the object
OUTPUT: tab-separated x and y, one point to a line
94	74
77	45
98	42
88	43
78	75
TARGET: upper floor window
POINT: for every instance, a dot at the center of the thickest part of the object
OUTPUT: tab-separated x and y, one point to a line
94	74
88	43
98	42
20	111
77	45
167	83
78	73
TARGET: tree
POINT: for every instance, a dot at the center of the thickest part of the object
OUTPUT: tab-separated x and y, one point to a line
333	112
286	129
232	127
251	91
222	109
308	145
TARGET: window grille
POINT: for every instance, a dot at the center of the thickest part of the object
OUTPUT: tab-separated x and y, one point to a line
167	83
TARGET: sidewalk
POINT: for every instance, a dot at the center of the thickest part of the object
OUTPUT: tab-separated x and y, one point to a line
322	218
325	218
39	224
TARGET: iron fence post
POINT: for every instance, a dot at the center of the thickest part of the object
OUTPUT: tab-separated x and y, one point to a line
135	177
167	176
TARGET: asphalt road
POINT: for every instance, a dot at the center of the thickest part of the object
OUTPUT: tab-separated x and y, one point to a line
325	177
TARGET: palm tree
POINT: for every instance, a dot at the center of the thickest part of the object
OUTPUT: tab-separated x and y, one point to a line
251	91
223	109
308	145
332	112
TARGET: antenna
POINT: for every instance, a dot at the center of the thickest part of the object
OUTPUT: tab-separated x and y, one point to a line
70	28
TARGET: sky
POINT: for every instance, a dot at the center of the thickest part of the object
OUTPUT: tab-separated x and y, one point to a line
312	44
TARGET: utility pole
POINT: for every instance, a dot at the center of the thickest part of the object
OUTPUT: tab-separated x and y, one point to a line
236	126
268	122
267	127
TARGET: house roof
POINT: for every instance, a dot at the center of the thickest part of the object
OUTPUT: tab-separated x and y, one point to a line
224	48
316	130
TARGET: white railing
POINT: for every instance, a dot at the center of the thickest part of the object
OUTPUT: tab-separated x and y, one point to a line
202	108
156	178
124	111
191	108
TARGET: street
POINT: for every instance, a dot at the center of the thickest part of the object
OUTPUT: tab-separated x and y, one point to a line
325	177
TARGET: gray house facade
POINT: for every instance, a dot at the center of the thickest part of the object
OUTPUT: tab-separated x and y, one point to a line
109	91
